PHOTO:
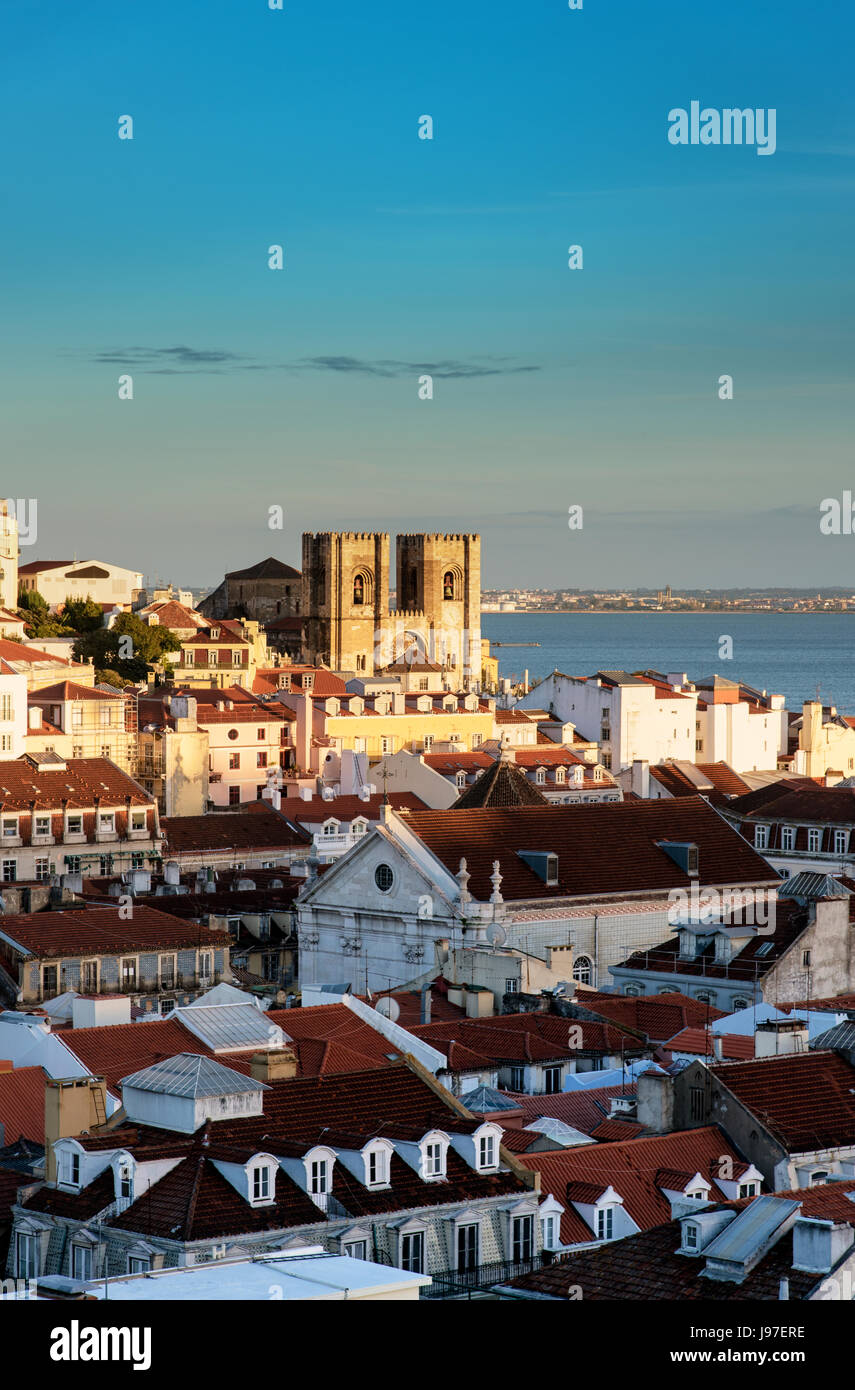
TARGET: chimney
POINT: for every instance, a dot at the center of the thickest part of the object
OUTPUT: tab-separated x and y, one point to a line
655	1103
305	716
424	1011
280	1065
35	716
778	1036
818	1245
72	1106
640	783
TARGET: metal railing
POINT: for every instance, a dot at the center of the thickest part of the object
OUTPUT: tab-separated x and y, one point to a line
463	1283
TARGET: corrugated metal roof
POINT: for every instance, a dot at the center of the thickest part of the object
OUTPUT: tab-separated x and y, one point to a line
191	1076
751	1231
842	1035
813	885
231	1027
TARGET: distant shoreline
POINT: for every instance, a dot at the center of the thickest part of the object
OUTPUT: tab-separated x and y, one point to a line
666	612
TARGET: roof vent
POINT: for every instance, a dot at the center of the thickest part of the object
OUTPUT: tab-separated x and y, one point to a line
544	864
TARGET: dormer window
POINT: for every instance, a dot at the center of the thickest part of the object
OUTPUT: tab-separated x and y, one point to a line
319	1177
487	1151
434	1147
605	1223
126	1182
260	1184
69	1168
748	1189
540	776
377	1162
761	836
215	633
331	827
358	827
814	840
788	837
690	1235
560	775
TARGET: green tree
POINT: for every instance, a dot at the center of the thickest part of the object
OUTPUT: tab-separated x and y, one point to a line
39	620
83	614
130	648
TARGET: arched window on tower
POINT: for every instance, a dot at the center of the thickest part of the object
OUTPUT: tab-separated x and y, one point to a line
359	590
448	585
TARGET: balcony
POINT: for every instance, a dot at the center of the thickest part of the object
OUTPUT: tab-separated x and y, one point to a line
469	1283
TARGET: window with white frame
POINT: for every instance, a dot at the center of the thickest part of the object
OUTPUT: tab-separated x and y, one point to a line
552	1078
261	1187
748	1189
377	1167
840	840
107	822
434	1158
139	1264
126	1182
138	820
10	827
605	1223
413	1252
81	1262
331	827
522	1238
814	840
26	1255
518	1079
41	825
488	1153
319	1170
356	1249
358	827
583	970
788	837
540	776
761	836
70	1168
460	780
550	1232
690	1235
74	824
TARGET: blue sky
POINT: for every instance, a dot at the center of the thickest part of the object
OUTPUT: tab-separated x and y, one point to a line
299	388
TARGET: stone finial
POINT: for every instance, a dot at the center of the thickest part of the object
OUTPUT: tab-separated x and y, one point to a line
496	880
463	882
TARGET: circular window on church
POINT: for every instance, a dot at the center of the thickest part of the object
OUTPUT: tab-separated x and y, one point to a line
383	877
233	733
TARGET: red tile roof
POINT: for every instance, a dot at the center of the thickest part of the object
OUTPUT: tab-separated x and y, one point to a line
735	1046
256	826
658	1018
347	808
79	782
807	1099
47	935
582	1110
22	1105
70	690
327	1039
524	1038
632	1168
193	1202
602	848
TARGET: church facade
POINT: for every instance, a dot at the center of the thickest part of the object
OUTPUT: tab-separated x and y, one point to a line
348	623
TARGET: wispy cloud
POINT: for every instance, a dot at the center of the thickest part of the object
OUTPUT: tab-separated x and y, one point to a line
181	361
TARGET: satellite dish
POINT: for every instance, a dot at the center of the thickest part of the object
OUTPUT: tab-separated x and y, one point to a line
388	1007
496	935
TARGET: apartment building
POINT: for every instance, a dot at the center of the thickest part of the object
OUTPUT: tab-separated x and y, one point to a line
155	960
77	816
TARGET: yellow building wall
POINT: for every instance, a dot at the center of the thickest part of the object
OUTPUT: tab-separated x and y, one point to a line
409	730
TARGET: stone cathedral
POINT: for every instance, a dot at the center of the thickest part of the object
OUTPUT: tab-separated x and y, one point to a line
349	625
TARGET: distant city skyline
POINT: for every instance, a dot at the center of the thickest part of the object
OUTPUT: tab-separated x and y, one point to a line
449	257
